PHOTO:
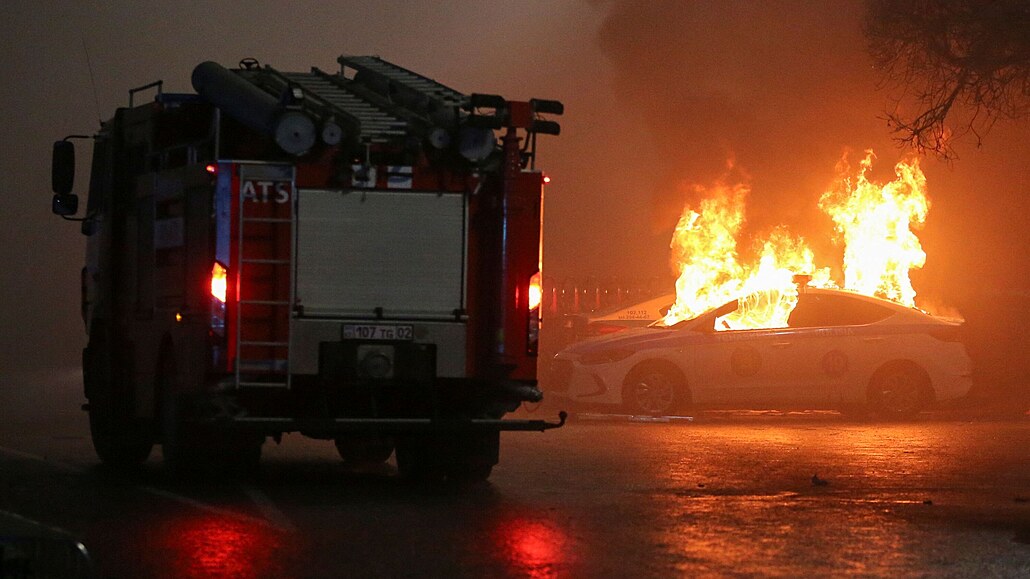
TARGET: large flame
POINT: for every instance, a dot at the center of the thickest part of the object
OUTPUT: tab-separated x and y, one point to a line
874	222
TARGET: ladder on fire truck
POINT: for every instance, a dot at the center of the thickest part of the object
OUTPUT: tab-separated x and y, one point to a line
264	297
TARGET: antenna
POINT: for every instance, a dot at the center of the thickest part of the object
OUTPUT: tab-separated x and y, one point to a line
92	82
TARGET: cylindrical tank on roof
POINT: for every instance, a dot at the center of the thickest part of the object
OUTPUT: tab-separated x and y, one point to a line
293	130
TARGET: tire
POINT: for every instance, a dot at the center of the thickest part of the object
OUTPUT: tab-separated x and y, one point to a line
117	442
653	390
417	461
178	447
119	439
460	458
364	450
192	449
470	470
899	391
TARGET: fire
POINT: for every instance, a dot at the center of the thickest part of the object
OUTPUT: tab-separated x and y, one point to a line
705	250
873	221
876	223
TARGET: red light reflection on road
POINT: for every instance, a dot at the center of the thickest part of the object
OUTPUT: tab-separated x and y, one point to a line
213	546
533	548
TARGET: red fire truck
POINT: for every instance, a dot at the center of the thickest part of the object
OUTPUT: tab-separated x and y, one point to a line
352	255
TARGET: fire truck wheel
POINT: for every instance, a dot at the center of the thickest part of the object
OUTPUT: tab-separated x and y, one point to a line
654	389
234	454
119	439
471	469
417	459
179	446
472	457
899	390
364	450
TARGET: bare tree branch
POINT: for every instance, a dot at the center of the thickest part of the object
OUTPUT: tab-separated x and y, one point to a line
951	67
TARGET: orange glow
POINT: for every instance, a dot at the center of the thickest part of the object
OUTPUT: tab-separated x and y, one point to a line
546	179
873	221
213	169
218	281
536	291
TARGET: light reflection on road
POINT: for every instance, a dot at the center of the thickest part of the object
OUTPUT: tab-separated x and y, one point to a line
213	546
720	510
533	547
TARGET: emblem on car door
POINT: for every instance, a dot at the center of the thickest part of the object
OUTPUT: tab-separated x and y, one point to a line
835	363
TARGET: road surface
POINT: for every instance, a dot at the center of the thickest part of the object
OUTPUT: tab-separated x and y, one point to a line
729	493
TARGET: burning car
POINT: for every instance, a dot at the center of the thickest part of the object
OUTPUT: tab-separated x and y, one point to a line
835	349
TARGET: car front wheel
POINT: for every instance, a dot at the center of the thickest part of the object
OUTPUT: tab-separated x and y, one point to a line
654	391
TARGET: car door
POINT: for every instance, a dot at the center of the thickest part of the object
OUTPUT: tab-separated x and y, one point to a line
746	368
831	346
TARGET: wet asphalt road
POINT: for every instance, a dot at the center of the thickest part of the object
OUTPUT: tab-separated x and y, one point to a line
727	494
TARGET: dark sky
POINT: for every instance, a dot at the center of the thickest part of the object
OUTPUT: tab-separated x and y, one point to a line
657	95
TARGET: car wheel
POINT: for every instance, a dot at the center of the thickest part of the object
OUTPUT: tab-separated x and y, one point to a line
653	390
899	391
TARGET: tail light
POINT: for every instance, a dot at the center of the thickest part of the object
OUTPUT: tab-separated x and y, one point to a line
218	281
536	291
219	277
535	297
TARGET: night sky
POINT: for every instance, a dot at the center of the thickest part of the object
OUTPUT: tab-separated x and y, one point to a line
658	94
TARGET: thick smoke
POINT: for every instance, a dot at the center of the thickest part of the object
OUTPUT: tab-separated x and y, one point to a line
783	87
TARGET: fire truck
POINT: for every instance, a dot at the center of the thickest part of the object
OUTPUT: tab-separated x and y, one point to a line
354	256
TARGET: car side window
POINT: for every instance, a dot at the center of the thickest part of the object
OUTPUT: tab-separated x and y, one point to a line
814	311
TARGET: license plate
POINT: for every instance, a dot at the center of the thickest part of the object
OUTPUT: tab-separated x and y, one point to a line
378	332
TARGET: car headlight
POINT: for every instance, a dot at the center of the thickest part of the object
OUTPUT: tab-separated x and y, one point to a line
605	356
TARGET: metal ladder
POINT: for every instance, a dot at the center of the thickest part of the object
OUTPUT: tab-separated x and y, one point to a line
264	298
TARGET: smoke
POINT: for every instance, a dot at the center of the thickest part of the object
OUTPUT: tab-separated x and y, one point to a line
781	86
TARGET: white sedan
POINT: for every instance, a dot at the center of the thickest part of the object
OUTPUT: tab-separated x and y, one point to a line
840	350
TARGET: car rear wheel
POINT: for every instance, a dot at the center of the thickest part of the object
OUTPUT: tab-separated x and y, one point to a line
653	390
899	391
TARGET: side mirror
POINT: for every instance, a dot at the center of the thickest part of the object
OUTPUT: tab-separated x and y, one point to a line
65	205
62	176
62	169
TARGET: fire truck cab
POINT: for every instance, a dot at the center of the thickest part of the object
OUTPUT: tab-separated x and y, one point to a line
354	256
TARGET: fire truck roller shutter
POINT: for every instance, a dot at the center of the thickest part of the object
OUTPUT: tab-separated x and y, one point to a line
293	131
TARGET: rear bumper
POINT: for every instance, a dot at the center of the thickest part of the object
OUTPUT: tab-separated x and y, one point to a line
331	426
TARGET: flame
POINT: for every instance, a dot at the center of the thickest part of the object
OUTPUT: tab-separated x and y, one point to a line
873	221
876	223
710	273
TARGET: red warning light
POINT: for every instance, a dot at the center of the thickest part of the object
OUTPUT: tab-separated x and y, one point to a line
546	179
